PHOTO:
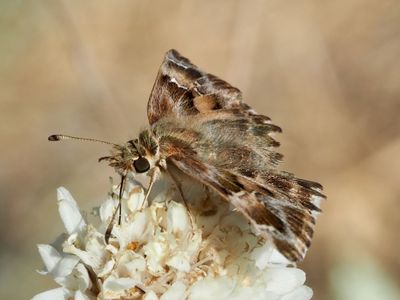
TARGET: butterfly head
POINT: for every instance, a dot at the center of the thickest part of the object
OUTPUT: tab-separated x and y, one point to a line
129	157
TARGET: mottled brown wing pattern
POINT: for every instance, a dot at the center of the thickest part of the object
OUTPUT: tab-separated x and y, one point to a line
206	131
279	205
183	89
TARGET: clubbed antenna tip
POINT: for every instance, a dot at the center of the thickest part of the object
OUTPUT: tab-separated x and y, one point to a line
53	138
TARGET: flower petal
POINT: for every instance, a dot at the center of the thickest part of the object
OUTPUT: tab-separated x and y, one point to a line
78	279
107	268
69	211
219	288
277	258
175	292
150	296
178	219
94	251
300	293
155	252
65	266
80	296
132	231
136	198
283	280
114	287
131	264
50	256
180	262
261	256
57	265
54	294
95	262
253	292
106	210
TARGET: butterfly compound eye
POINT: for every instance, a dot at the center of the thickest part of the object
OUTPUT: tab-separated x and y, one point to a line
141	165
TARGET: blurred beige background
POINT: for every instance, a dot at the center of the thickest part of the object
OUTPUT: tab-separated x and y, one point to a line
327	72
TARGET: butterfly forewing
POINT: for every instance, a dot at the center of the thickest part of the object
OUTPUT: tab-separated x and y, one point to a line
183	89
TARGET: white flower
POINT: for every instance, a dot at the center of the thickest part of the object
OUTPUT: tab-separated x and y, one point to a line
162	251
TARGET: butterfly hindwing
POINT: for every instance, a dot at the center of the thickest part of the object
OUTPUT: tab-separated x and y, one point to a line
285	216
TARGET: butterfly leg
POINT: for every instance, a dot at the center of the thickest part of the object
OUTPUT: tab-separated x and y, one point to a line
119	210
154	174
179	187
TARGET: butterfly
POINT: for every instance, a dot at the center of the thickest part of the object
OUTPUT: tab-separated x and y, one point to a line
200	125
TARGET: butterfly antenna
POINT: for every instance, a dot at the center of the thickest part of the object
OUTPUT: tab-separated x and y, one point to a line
60	137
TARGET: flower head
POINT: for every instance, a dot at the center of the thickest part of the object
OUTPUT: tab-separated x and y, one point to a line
163	250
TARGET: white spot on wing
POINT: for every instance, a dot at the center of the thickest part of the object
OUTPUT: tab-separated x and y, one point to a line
173	80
